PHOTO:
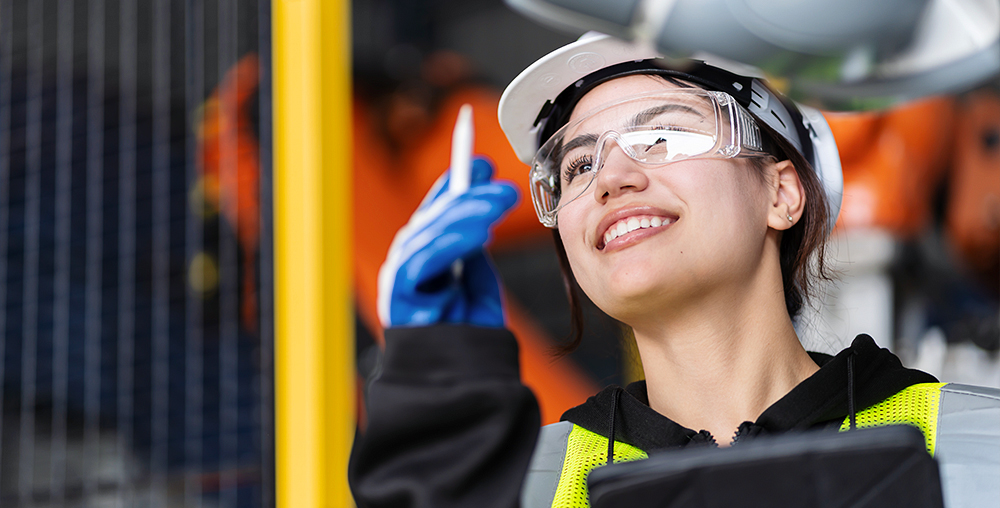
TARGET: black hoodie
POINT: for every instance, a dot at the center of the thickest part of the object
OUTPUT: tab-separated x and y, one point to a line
450	424
821	400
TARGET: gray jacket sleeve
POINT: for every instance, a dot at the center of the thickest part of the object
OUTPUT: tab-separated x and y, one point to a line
968	445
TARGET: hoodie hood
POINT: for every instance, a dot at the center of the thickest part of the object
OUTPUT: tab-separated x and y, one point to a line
819	401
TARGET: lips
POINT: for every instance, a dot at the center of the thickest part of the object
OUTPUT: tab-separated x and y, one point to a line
618	227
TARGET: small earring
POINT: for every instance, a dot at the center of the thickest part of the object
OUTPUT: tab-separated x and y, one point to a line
789	218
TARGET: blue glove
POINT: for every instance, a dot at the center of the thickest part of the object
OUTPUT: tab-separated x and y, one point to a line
416	284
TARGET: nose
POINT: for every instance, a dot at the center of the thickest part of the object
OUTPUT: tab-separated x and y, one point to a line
618	174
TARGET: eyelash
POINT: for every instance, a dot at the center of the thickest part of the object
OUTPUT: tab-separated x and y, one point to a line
572	171
668	128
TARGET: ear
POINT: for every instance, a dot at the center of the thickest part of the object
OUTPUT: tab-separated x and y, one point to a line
788	198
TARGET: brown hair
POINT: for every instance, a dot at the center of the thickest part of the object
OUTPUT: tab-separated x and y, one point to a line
798	244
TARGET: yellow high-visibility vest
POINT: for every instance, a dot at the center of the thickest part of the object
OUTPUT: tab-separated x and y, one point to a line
960	424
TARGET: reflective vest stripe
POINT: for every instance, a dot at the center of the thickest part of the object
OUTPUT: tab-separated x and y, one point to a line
917	405
546	466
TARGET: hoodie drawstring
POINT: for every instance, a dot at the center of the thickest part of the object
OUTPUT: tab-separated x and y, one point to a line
611	432
850	407
850	390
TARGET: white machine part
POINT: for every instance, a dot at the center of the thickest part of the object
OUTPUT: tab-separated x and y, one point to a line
842	54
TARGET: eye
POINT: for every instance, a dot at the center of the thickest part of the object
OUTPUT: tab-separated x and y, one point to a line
654	138
579	166
658	141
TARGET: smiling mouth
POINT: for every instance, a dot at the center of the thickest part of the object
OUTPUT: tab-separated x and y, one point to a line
630	225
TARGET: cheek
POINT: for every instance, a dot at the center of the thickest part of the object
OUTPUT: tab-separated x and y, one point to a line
741	224
569	233
601	290
737	200
573	223
574	246
753	205
743	213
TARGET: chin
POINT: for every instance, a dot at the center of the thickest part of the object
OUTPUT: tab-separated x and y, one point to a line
633	294
629	294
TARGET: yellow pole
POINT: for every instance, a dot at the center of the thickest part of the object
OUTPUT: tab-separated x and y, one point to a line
314	336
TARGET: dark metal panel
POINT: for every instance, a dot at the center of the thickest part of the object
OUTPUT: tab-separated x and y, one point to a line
120	380
6	85
161	183
32	233
95	241
194	30
128	98
266	377
59	446
228	227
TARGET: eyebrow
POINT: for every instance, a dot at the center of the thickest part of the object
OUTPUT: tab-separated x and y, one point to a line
577	142
640	118
645	116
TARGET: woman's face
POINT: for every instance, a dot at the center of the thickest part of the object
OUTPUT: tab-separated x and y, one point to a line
712	216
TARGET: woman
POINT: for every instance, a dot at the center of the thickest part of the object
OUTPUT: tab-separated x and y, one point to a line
687	204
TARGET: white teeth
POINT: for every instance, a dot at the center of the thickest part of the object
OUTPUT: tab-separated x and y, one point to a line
633	224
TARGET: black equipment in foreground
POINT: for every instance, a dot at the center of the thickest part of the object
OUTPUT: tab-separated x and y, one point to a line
886	466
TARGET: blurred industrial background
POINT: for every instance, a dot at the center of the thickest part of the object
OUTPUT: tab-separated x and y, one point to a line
917	245
136	220
136	362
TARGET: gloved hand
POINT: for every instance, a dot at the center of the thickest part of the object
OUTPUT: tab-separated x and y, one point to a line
416	284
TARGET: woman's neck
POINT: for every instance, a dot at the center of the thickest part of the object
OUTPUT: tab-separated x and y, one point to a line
714	366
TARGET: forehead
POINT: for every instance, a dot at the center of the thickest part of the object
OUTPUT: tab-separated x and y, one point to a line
620	87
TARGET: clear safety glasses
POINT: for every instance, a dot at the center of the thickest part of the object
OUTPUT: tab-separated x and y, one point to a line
653	129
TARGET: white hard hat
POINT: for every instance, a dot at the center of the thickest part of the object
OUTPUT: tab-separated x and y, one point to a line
540	98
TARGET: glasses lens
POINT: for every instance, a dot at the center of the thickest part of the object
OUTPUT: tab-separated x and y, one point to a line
653	129
659	146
